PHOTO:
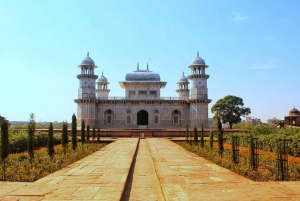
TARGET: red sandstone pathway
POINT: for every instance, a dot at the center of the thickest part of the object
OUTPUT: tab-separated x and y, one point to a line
161	170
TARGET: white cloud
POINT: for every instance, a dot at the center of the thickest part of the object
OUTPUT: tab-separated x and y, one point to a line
238	18
266	65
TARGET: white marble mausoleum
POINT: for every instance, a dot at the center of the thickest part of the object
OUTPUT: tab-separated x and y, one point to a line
142	106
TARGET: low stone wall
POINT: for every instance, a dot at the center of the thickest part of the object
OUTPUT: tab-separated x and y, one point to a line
147	132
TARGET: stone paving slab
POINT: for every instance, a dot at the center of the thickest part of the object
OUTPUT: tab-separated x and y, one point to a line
162	171
185	176
99	176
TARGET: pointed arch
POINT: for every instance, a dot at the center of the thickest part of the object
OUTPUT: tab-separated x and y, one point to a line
142	117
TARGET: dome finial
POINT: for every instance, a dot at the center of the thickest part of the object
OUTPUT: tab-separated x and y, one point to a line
182	73
88	54
138	66
147	67
102	73
197	53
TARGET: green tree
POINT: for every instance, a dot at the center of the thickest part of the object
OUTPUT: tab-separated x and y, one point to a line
4	144
64	137
50	143
74	132
202	137
220	136
98	135
195	135
82	131
211	139
230	109
94	133
88	133
30	140
274	121
187	133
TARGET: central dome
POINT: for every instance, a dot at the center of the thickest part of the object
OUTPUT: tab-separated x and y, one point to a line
142	75
197	61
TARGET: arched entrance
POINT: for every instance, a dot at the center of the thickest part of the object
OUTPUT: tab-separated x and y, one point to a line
142	117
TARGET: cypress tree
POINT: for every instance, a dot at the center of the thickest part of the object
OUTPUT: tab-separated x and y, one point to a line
98	135
88	133
30	140
187	133
64	137
4	144
74	132
50	143
202	137
220	136
211	140
82	131
94	133
195	135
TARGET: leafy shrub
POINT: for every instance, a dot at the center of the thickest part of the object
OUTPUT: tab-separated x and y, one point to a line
18	140
268	136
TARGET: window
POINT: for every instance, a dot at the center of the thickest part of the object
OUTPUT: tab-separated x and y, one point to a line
131	93
142	93
153	93
108	116
109	119
155	119
128	111
128	120
156	111
176	120
176	116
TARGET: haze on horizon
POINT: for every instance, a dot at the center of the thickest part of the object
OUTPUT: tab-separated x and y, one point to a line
252	50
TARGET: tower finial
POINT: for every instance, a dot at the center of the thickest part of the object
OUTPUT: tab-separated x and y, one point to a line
88	54
138	66
147	67
197	53
182	73
102	73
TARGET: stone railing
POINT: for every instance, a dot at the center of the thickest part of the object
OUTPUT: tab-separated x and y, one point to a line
141	98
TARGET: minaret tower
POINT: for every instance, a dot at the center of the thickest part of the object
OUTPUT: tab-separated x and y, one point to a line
86	93
102	91
183	88
199	93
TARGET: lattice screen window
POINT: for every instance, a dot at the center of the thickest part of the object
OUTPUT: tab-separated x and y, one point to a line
156	119
153	93
109	119
128	120
176	120
131	93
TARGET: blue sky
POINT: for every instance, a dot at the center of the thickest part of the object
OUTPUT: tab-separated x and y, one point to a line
251	47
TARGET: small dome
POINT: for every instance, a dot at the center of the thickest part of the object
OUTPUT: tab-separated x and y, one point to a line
183	79
88	61
197	61
142	75
294	111
102	79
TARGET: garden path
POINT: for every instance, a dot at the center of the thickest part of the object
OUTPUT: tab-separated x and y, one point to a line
161	170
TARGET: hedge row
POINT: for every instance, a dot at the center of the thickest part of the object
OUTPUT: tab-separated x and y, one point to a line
18	140
268	137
